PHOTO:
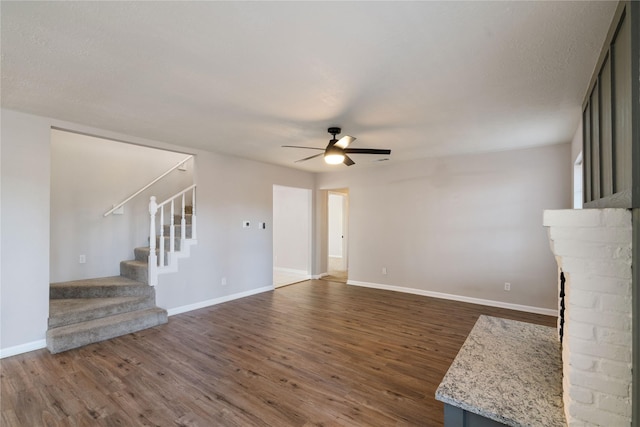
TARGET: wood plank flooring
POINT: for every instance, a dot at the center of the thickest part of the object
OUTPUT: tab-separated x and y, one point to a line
316	353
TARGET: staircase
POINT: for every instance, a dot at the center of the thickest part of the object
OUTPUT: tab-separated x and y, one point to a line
82	312
138	268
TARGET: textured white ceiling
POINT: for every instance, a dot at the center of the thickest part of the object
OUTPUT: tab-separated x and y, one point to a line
242	78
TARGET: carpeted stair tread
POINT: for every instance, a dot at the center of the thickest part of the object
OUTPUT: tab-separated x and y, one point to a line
135	270
104	287
74	310
142	255
177	219
178	230
76	335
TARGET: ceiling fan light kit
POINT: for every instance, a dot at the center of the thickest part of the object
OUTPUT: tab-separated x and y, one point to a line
335	153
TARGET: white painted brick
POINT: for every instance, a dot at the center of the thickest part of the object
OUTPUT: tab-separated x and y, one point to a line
580	249
607	319
616	217
581	330
615	369
599	417
597	267
572	218
621	236
608	285
617	405
612	336
617	303
583	299
581	362
582	395
612	352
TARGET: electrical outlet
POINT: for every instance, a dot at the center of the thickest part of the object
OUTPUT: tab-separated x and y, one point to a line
384	270
223	282
82	259
246	224
507	286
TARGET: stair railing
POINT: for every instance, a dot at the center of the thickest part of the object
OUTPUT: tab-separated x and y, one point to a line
125	201
156	263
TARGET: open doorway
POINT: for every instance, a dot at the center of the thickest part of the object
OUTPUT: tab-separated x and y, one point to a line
337	237
291	235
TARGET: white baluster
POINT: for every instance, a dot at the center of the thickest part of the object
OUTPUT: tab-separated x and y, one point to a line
183	228
193	214
172	233
152	262
161	263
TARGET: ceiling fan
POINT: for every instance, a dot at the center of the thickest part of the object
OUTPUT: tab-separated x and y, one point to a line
337	150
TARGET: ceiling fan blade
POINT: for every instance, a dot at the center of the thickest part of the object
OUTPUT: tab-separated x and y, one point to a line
348	161
345	141
309	158
366	151
298	146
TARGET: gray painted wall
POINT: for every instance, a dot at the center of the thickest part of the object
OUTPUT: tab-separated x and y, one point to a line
88	176
460	225
229	191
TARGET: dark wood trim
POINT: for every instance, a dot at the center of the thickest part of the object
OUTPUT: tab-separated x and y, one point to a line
587	155
635	171
621	199
605	49
635	102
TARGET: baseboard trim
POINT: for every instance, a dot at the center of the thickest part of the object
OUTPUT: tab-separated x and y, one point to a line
461	298
215	301
22	348
319	276
292	271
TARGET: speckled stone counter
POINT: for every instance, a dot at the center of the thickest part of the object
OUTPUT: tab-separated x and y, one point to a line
509	372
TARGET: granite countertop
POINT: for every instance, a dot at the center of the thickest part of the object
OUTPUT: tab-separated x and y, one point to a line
508	371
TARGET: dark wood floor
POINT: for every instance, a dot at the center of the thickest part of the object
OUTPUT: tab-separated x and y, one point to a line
311	354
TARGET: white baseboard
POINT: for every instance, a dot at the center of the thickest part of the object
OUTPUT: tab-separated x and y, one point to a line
291	271
22	348
215	301
37	345
319	276
461	298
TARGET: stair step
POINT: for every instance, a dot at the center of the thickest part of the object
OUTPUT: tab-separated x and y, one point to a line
74	310
178	218
104	287
76	335
142	255
178	230
135	270
167	241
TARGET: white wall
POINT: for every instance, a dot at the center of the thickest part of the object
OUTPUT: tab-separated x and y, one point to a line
460	225
24	288
88	176
292	228
229	191
576	180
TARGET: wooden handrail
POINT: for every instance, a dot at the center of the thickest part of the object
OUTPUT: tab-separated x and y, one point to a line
125	201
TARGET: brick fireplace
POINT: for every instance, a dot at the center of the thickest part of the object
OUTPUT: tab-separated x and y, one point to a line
593	251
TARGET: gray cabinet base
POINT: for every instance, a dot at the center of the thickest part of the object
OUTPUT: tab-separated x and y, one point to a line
456	417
